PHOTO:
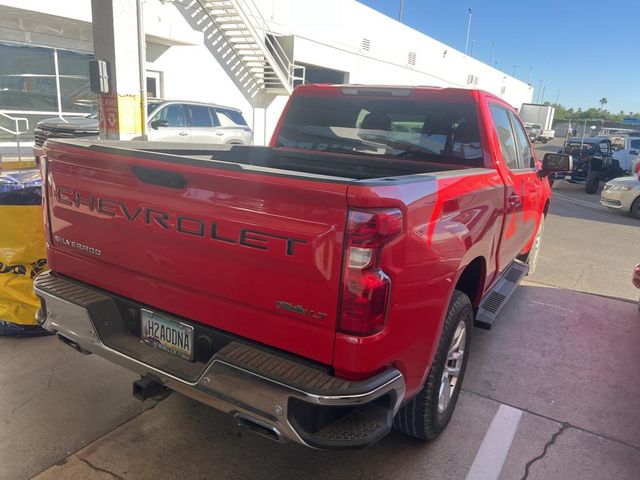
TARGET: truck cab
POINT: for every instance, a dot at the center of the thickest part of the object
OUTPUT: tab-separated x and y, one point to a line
627	152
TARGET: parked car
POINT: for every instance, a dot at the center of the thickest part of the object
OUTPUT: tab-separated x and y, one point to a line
622	194
69	127
592	162
532	131
169	121
320	290
537	134
176	121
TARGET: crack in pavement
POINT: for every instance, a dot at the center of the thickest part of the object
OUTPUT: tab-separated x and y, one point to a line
554	420
98	469
548	445
82	447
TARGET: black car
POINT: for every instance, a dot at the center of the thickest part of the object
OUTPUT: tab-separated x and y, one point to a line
71	127
592	162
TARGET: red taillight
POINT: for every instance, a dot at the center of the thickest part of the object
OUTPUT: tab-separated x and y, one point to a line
373	228
365	286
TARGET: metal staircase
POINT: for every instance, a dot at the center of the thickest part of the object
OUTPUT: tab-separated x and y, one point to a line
238	36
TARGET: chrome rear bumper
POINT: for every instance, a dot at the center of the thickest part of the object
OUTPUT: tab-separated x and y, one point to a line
271	393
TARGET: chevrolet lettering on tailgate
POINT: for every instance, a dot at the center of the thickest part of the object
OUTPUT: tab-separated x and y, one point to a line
247	237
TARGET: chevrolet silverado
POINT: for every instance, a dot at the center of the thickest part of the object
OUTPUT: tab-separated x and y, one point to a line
321	290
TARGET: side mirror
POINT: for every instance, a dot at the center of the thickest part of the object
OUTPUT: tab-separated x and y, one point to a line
159	123
555	163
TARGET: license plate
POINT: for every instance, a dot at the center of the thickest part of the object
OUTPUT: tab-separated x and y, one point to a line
167	334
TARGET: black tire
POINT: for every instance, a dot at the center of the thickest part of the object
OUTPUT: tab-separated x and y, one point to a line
420	417
593	182
635	208
543	140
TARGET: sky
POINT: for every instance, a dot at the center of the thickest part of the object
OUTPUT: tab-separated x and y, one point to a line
582	50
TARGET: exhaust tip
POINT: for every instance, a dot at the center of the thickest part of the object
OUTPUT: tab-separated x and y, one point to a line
258	427
73	344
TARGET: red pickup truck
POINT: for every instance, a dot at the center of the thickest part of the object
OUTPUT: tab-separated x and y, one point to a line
321	290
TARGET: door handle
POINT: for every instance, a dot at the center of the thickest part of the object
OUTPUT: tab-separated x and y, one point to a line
183	134
513	200
219	134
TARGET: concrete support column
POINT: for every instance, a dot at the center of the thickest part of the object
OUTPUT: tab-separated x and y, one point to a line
115	40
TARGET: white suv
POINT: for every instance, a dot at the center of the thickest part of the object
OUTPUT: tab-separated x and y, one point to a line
176	121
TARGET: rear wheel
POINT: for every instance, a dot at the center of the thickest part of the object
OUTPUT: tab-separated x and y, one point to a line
427	414
635	208
593	182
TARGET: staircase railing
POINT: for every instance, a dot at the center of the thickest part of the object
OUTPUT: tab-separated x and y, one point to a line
279	70
16	131
279	61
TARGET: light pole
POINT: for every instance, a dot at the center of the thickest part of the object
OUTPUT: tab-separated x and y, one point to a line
473	42
557	98
543	90
401	10
491	56
530	72
539	88
515	67
466	43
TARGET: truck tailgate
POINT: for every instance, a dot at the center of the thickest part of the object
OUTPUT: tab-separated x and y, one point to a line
254	254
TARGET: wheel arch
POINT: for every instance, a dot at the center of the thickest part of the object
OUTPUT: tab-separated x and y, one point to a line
472	279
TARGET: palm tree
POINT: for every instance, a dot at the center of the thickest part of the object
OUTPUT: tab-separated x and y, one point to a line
603	101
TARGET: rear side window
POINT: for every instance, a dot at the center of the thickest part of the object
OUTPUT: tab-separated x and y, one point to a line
525	157
505	135
230	118
634	145
200	116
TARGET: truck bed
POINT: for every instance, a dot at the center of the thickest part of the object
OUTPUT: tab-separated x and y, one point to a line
327	166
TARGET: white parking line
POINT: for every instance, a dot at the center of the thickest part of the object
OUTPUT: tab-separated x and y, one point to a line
495	445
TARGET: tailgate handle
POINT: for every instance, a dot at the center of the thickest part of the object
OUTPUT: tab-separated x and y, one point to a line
156	176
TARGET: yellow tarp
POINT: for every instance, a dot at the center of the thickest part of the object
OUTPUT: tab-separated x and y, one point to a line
22	257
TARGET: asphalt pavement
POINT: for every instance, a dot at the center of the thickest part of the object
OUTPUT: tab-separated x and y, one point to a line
587	247
551	392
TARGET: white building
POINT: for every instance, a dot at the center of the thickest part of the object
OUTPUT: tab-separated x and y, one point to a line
242	53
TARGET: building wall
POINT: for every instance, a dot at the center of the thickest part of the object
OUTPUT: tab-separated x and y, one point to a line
331	33
328	34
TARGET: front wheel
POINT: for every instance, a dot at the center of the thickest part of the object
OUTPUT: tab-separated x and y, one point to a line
544	140
635	208
534	252
593	182
427	414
